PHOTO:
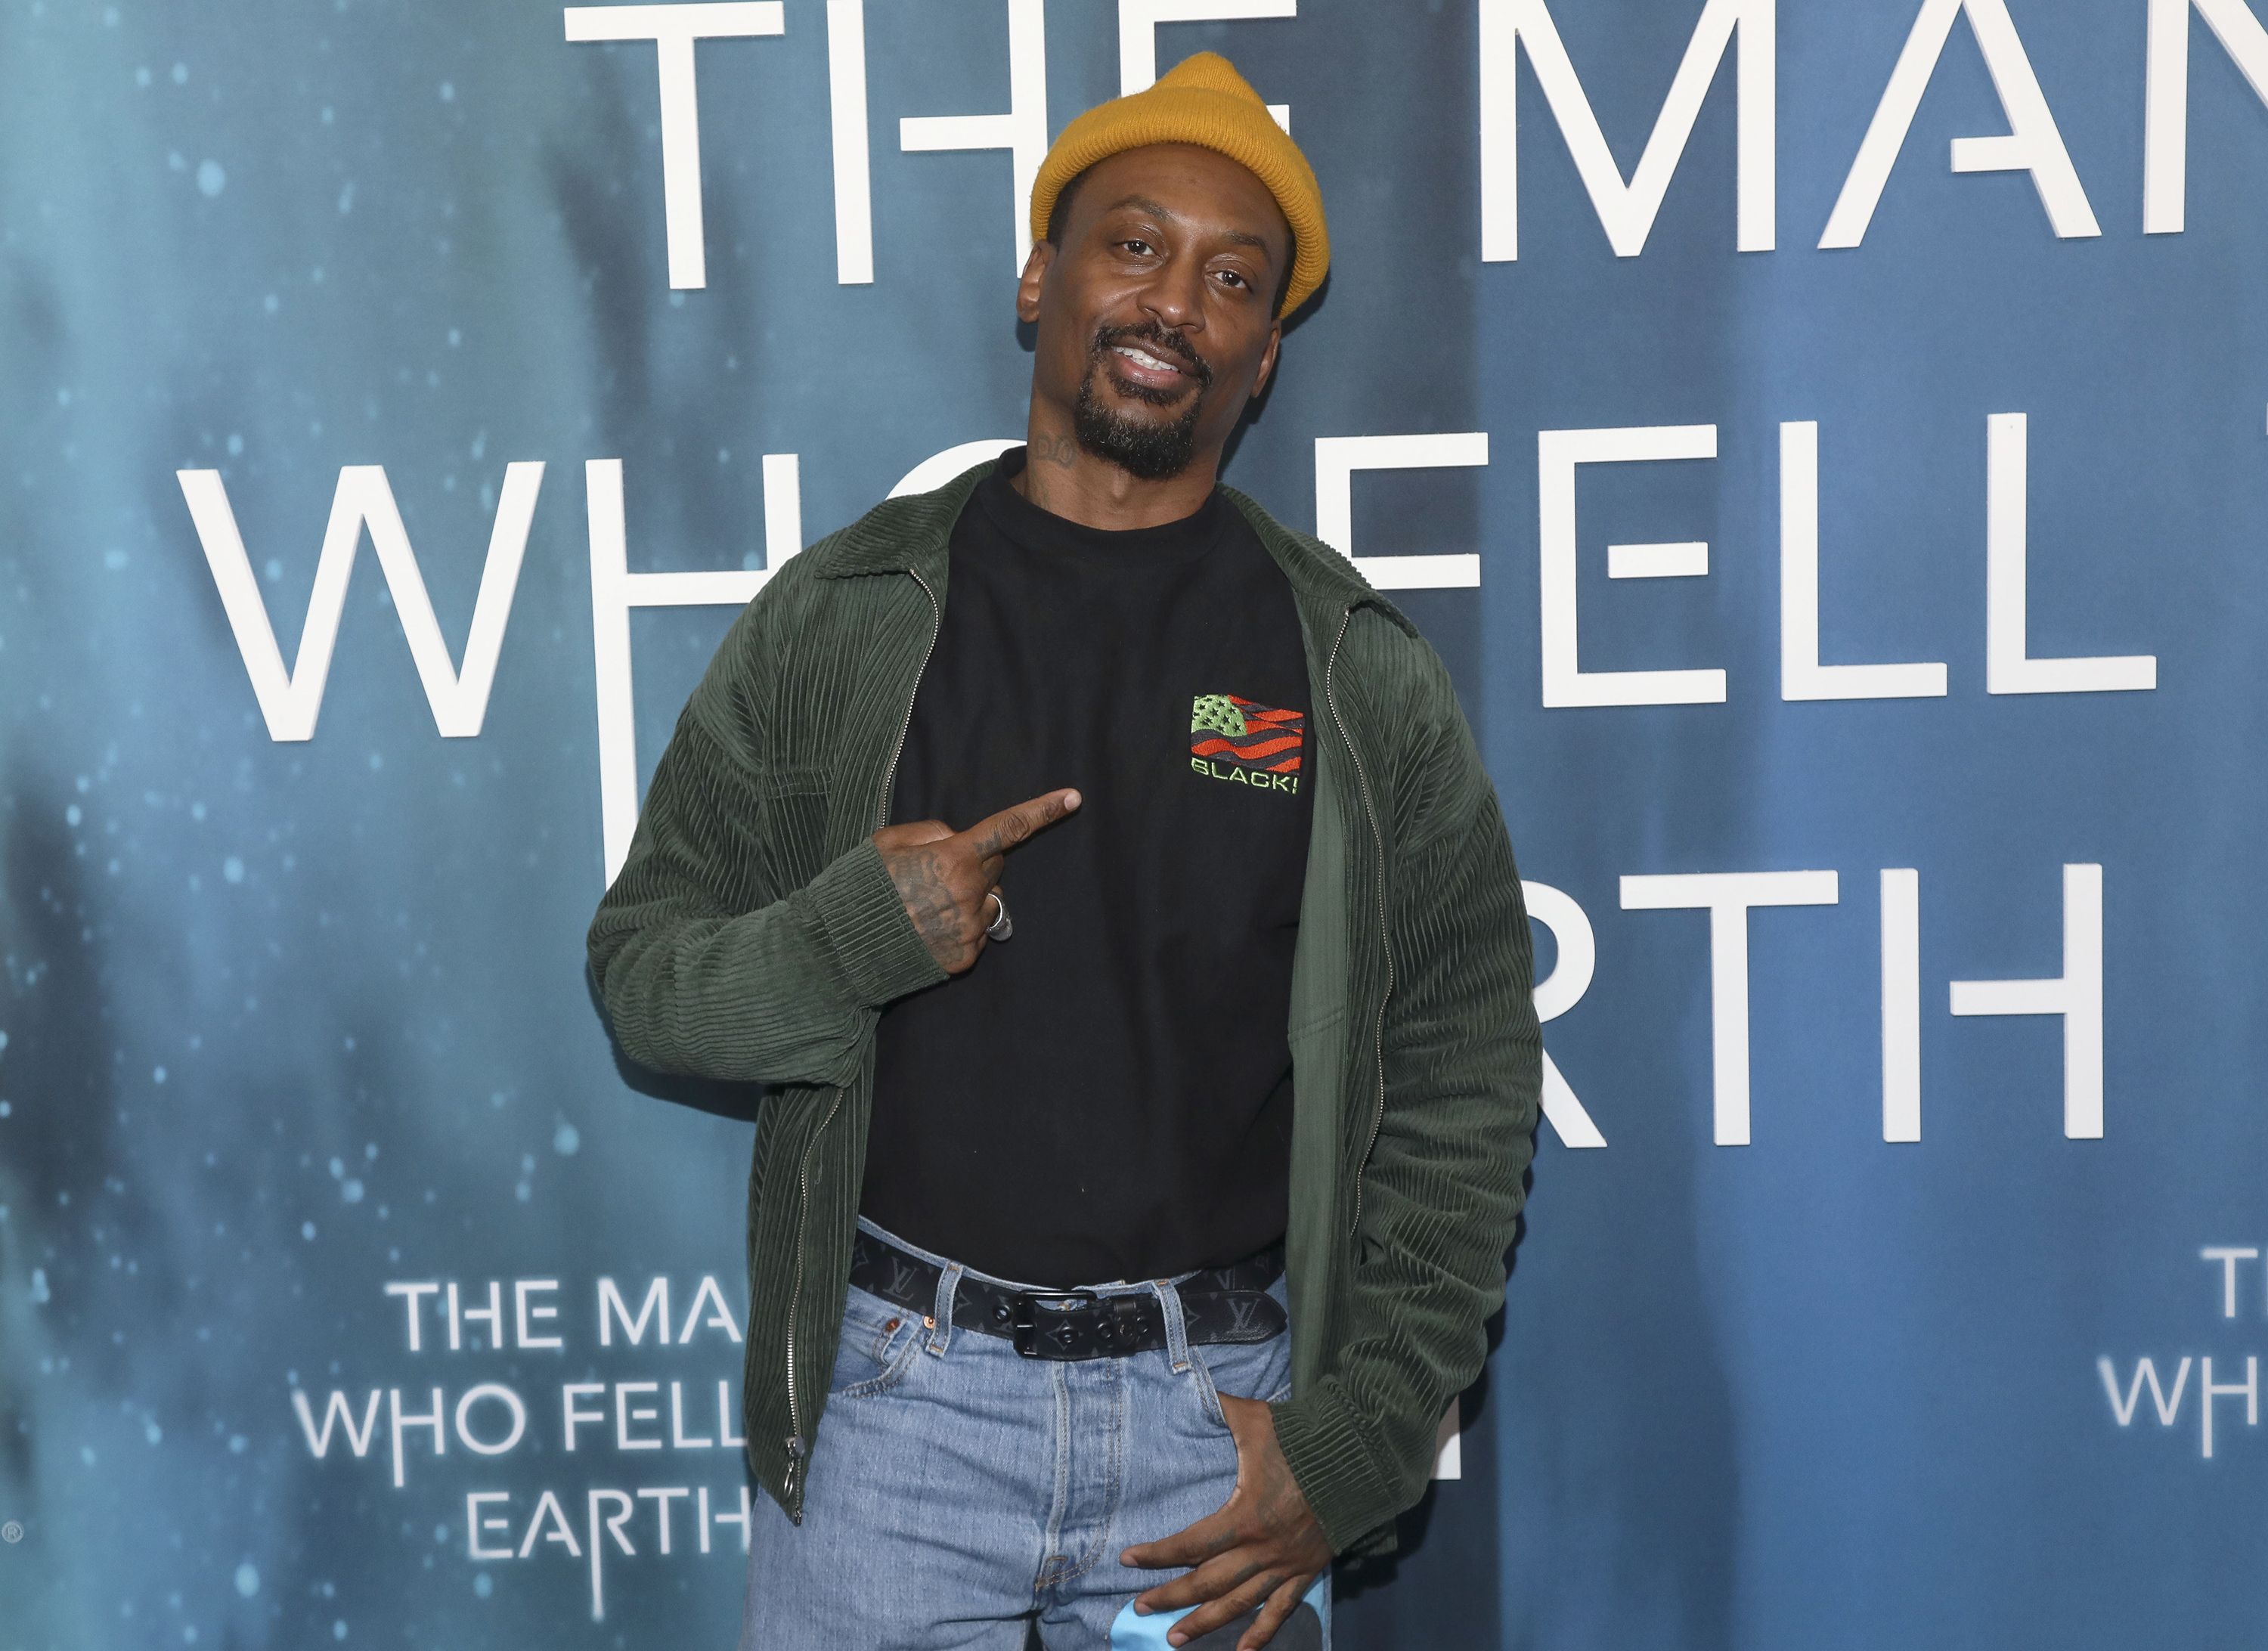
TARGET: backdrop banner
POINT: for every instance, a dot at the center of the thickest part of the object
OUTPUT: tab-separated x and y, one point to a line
1824	437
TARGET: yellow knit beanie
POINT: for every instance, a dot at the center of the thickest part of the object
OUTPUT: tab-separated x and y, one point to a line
1203	100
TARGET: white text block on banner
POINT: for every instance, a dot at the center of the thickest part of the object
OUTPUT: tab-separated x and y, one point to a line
673	29
1901	888
1557	993
1138	36
846	120
940	467
1627	211
1336	460
1558	454
2166	124
1727	896
291	700
2010	666
1801	676
1686	559
615	589
1022	132
1449	1443
2076	995
2032	143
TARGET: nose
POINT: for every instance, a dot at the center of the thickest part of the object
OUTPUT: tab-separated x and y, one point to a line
1174	297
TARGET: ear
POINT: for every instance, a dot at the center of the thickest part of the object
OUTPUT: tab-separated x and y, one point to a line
1268	359
1034	277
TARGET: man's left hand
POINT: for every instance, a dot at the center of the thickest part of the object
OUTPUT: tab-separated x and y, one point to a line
1263	1549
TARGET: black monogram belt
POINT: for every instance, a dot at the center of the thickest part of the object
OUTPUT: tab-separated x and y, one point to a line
1220	1305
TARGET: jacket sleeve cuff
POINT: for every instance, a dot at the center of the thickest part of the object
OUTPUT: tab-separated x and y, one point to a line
1323	1445
873	942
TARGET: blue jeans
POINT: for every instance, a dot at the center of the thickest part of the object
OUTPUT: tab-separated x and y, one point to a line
958	1490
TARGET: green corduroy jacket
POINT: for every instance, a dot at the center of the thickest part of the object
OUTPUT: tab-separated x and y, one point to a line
753	935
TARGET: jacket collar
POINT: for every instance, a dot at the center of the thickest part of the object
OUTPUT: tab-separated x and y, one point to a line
911	535
1315	570
900	535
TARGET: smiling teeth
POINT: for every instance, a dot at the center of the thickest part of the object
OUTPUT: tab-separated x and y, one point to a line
1142	358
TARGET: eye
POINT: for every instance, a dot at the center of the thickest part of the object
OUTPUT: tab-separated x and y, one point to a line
1138	247
1232	277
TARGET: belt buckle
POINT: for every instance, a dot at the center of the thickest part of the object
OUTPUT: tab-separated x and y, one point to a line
1024	1315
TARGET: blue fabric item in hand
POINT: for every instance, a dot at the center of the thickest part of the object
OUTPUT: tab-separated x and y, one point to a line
1303	1630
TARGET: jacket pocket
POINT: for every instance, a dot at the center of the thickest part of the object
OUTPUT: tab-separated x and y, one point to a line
791	823
1318	1027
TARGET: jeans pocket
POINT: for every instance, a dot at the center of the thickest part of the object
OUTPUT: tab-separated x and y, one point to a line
1245	1370
879	1339
1208	1394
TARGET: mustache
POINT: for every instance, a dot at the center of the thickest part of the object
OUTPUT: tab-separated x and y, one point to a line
1159	341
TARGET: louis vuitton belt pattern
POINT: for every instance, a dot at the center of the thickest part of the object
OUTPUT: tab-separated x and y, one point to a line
1220	1305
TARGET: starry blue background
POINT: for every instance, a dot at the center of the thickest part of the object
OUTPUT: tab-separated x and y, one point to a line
286	1021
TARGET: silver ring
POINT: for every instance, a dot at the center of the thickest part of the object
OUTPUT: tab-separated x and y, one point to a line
1000	928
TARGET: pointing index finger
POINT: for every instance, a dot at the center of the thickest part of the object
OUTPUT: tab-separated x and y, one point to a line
1012	826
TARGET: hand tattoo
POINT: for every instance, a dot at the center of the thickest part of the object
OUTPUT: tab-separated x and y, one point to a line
945	878
920	879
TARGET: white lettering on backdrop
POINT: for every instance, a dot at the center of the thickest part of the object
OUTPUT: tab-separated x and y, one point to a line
291	700
2076	995
615	589
489	1418
1022	132
672	28
2166	1396
1801	676
2032	143
1558	453
1627	211
2166	121
1336	460
1726	897
1559	991
1138	36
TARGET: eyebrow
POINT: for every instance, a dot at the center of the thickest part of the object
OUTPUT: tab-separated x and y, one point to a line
1234	237
1146	204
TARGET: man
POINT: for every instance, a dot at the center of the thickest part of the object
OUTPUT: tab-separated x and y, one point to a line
1034	1196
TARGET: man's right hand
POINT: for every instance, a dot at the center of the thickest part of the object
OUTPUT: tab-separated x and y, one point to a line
944	876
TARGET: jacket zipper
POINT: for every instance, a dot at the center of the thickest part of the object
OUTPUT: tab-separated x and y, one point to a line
796	1454
1385	942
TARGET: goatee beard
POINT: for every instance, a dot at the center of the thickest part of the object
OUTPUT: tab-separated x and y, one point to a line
1149	452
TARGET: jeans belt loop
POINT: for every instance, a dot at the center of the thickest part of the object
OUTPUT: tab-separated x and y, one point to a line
1177	1333
940	1332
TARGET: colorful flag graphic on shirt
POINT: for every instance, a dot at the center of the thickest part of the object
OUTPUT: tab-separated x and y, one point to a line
1235	735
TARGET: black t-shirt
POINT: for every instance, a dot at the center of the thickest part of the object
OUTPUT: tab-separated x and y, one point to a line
1108	1094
